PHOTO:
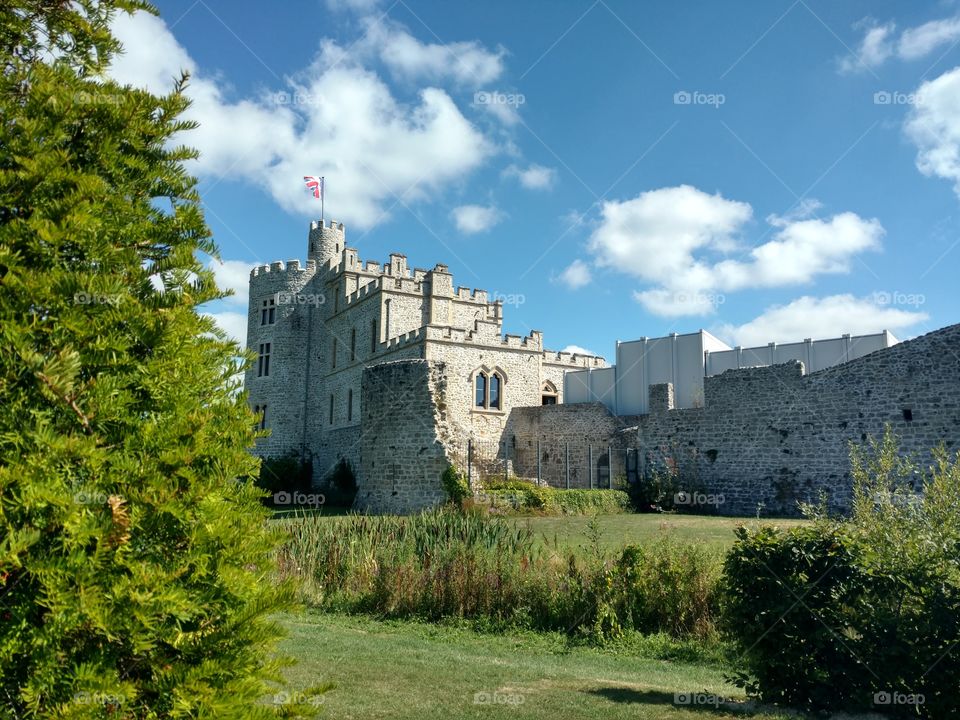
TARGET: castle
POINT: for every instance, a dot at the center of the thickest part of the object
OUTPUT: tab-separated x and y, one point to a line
401	374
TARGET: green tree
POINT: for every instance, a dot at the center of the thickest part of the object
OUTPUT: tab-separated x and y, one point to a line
135	560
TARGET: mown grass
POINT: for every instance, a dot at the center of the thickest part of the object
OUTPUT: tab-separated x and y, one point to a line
394	670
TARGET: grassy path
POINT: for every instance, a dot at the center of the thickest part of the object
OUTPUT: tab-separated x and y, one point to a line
410	670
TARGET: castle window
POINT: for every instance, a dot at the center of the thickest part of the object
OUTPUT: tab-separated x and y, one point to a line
386	320
548	394
494	402
353	344
268	312
263	360
336	299
333	355
488	390
261	422
349	405
373	336
481	387
331	409
908	414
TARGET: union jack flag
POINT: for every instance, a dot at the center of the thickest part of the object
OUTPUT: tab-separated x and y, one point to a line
314	185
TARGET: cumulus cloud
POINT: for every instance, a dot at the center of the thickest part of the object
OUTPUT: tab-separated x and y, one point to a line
879	43
472	219
576	275
410	59
680	240
577	350
812	317
335	118
534	177
234	324
934	127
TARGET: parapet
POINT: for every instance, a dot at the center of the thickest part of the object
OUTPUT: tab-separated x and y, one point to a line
573	359
290	266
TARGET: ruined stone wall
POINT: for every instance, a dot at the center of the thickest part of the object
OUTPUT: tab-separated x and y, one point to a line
403	452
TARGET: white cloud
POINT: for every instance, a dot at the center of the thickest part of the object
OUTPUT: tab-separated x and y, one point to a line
408	58
680	239
233	275
577	350
576	275
879	43
337	118
875	47
824	317
234	324
534	177
475	218
920	41
934	127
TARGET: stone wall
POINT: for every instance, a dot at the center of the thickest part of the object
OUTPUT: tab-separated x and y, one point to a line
771	437
403	444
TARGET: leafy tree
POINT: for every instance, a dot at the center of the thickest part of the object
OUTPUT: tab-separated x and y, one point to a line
135	562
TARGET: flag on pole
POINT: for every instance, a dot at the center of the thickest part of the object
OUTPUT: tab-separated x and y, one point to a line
314	185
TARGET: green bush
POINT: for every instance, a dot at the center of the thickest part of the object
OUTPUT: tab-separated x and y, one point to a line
289	473
341	485
842	614
136	564
523	497
455	484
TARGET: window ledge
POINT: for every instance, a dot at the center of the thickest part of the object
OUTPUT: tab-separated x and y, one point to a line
487	411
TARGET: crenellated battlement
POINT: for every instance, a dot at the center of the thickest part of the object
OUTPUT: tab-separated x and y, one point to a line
290	266
573	359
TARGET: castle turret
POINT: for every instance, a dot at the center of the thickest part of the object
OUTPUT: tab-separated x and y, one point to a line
326	241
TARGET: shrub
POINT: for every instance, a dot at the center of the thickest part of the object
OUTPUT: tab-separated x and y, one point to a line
841	612
341	484
288	473
522	496
455	485
136	567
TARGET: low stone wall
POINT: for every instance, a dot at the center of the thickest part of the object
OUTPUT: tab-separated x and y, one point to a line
403	451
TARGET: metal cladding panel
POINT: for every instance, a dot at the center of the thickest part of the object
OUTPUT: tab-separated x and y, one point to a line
602	387
688	383
576	386
631	391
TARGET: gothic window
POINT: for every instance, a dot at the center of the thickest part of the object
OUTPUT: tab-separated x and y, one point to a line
488	389
353	344
373	336
268	312
548	394
261	422
263	360
349	405
481	387
494	400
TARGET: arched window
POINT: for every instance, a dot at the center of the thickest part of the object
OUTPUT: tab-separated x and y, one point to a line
481	387
495	384
548	394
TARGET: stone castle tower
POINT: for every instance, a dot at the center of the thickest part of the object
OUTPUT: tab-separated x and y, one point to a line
386	367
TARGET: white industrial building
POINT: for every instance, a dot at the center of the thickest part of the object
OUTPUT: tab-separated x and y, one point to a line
684	360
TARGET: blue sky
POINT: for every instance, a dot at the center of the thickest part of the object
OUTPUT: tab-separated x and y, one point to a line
766	170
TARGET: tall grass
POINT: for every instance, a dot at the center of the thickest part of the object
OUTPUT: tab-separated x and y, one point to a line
448	564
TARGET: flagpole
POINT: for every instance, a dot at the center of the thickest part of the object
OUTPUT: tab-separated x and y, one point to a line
323	191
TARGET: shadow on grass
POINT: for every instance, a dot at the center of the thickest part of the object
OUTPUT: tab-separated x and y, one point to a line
696	702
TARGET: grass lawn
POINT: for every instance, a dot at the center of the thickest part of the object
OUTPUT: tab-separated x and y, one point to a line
414	670
619	530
